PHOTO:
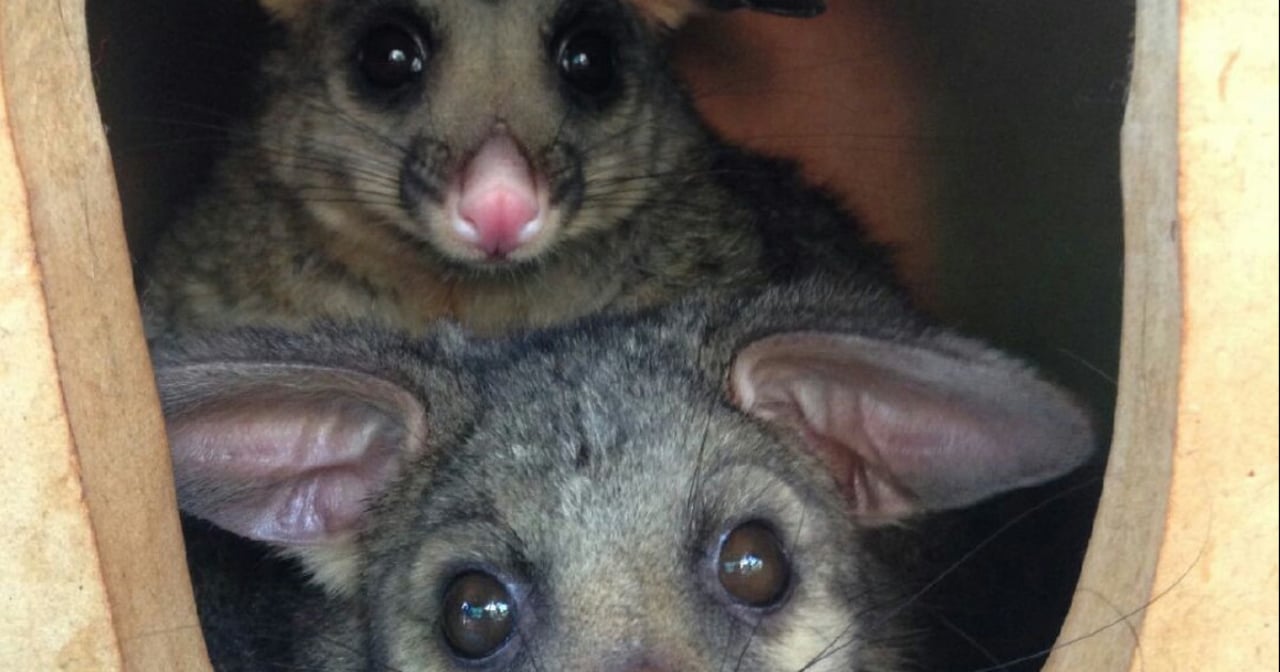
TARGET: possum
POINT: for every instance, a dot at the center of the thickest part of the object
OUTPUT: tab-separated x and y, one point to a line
689	488
500	164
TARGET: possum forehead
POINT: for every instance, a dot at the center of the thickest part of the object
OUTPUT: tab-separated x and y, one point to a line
625	460
487	46
472	25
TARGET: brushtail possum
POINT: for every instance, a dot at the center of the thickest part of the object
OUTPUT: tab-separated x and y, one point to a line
688	488
503	164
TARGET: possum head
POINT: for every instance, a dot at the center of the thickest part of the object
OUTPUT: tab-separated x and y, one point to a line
484	133
656	494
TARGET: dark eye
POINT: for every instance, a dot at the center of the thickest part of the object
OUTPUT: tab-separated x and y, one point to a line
752	566
479	615
586	61
391	56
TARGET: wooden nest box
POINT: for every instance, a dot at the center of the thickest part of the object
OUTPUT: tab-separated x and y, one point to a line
1184	547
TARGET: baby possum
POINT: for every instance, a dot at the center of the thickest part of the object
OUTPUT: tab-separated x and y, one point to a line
690	488
504	164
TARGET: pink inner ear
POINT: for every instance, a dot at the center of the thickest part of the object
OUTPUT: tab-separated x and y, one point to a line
287	467
801	392
903	428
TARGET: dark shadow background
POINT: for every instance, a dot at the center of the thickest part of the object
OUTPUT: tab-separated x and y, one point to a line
1030	242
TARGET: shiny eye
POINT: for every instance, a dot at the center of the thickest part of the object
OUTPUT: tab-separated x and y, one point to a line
391	56
752	566
587	62
479	615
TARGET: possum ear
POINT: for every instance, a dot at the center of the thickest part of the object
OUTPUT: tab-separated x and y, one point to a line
288	454
672	14
906	428
285	10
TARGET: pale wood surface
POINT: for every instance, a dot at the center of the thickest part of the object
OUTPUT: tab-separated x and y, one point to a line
92	576
1218	560
49	558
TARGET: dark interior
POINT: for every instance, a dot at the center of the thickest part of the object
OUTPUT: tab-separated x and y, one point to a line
1026	103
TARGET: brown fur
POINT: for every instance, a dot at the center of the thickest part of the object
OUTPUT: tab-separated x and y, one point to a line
307	216
667	13
286	9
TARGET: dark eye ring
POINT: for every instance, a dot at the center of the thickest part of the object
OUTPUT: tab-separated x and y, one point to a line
479	615
391	55
587	60
753	567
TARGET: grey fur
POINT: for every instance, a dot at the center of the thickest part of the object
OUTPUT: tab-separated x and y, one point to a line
324	204
593	467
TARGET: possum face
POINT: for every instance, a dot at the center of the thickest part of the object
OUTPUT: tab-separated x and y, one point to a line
485	132
635	523
644	495
674	537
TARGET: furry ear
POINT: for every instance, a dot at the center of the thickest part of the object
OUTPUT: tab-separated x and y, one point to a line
672	14
285	10
288	454
906	428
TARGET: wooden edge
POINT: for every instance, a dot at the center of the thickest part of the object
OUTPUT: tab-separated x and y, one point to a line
1115	583
1216	606
102	584
48	557
1192	585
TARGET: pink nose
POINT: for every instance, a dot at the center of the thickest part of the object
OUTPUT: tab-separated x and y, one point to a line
498	210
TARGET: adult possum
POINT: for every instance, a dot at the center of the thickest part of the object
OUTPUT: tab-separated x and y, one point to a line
692	488
503	164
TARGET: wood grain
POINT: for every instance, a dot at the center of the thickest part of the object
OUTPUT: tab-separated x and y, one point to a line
97	581
1218	559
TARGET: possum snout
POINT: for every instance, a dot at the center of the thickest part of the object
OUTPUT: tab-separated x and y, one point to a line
498	202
